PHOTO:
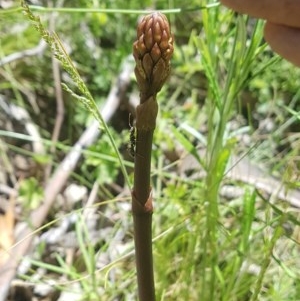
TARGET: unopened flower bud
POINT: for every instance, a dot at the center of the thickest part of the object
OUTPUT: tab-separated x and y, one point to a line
152	52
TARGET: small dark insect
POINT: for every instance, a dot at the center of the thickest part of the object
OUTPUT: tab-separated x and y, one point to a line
131	144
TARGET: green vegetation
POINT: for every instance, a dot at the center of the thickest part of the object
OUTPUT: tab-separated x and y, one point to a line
228	126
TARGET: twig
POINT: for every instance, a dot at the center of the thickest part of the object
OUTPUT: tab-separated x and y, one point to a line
242	169
60	108
88	209
21	115
25	53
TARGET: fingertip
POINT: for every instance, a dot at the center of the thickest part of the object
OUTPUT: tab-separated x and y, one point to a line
284	40
243	6
229	3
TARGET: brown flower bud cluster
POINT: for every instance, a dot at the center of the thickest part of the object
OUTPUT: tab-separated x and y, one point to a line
152	53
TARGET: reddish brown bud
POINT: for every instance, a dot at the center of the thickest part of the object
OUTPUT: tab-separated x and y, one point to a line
152	52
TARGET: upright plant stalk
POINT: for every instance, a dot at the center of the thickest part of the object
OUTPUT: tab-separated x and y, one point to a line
152	52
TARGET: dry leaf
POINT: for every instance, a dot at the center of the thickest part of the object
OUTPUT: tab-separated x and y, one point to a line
6	232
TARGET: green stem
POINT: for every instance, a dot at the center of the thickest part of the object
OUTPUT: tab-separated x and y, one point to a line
72	10
213	181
